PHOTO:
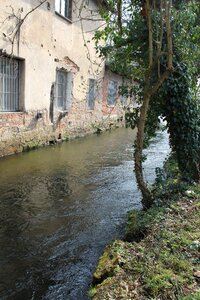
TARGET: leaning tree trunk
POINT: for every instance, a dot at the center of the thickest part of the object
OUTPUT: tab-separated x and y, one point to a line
147	198
146	194
149	91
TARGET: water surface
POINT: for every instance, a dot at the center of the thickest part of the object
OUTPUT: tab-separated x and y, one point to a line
59	206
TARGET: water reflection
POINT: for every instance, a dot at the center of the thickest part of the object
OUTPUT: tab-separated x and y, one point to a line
59	207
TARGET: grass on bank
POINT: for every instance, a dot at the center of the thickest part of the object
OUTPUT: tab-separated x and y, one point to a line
165	263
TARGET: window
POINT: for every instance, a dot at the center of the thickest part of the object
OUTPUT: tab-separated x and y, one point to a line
132	100
112	92
9	84
64	8
91	94
124	100
63	90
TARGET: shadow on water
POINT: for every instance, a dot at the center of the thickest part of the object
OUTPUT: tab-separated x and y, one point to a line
59	206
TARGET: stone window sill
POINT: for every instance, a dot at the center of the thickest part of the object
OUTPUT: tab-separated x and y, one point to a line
63	17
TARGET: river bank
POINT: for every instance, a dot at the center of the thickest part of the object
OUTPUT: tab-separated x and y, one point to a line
160	260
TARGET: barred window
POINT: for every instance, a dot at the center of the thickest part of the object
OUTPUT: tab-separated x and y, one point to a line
132	100
124	100
9	84
112	92
91	93
64	8
63	89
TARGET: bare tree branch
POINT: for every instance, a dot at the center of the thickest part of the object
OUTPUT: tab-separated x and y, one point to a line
20	21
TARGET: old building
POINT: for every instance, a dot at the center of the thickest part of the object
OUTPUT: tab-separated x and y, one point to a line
52	83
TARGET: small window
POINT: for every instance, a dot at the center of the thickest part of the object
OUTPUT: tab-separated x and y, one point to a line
63	90
112	92
9	84
64	8
124	100
132	100
91	93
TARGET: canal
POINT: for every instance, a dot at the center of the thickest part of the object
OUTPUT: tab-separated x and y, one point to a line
60	205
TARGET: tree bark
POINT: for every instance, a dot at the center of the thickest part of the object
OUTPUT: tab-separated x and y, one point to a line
147	197
146	194
150	30
149	91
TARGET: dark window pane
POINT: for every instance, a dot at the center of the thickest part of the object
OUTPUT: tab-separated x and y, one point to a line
132	100
124	100
112	92
61	77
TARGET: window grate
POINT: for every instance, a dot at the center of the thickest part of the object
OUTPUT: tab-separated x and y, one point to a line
124	100
112	92
63	90
9	84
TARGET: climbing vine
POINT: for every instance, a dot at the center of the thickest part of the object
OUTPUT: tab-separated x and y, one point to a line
177	100
181	111
157	44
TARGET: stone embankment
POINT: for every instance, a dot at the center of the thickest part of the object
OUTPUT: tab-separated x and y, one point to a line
21	131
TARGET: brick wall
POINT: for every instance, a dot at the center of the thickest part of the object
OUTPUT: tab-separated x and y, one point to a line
26	130
11	119
30	129
23	130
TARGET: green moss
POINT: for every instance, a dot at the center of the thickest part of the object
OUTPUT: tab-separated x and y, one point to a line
158	281
32	144
92	292
107	263
193	296
29	146
175	262
139	222
163	264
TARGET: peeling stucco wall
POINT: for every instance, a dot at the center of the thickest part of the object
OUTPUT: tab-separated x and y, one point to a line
48	42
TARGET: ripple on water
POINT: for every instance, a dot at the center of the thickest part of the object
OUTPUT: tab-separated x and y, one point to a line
59	207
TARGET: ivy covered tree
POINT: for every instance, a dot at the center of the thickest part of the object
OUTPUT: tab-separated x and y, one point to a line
157	43
177	100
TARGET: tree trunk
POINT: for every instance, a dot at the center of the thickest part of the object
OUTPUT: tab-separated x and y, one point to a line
147	197
146	194
149	91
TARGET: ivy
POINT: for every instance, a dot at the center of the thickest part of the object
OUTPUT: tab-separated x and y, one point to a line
177	102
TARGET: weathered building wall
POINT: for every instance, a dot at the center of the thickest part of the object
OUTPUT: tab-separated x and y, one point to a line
48	42
117	110
113	110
